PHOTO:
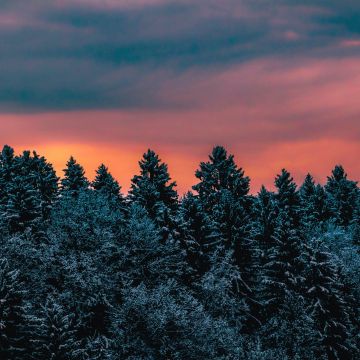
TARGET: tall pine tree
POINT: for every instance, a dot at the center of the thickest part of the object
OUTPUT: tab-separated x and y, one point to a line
327	303
314	209
288	199
74	179
198	233
105	183
6	172
53	333
342	196
12	313
220	173
153	189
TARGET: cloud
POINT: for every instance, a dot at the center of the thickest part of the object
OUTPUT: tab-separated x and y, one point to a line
275	82
300	114
68	55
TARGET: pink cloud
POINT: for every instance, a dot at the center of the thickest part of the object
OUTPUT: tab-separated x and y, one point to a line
302	114
350	43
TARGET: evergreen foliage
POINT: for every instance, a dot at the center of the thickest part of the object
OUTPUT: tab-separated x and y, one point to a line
12	312
220	173
74	178
89	273
53	333
343	195
152	185
105	183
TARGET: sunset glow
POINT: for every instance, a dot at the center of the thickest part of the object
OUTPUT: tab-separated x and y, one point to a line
278	87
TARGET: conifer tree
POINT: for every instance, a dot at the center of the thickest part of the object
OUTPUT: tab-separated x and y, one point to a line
98	348
265	220
105	183
6	170
223	190
328	308
53	333
307	190
23	209
264	232
220	173
288	199
45	181
198	233
153	189
12	312
74	179
314	209
342	196
283	272
148	259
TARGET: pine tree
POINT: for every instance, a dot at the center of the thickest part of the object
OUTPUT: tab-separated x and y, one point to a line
288	199
23	209
31	184
327	307
146	258
222	291
314	210
342	195
98	348
283	268
153	189
105	183
220	173
53	333
223	190
74	179
198	233
12	312
6	170
265	221
264	232
307	196
45	181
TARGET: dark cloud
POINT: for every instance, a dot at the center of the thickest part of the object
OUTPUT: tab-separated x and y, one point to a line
90	54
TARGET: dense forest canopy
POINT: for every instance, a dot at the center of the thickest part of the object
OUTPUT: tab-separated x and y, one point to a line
87	272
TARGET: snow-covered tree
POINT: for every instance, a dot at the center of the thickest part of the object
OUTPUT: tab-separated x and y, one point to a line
45	181
168	322
23	208
146	257
313	204
105	183
12	313
6	172
220	173
328	308
30	189
53	333
74	178
288	199
265	214
283	268
198	233
98	348
84	235
342	195
153	190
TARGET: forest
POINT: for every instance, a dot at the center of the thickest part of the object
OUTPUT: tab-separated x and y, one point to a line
88	272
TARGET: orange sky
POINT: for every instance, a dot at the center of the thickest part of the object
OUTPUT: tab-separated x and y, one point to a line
270	114
278	85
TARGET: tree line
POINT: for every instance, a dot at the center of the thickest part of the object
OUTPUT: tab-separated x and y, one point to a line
89	273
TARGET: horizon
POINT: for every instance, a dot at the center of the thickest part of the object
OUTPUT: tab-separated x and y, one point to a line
60	165
275	84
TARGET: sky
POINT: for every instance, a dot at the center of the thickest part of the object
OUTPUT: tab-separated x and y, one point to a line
275	82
